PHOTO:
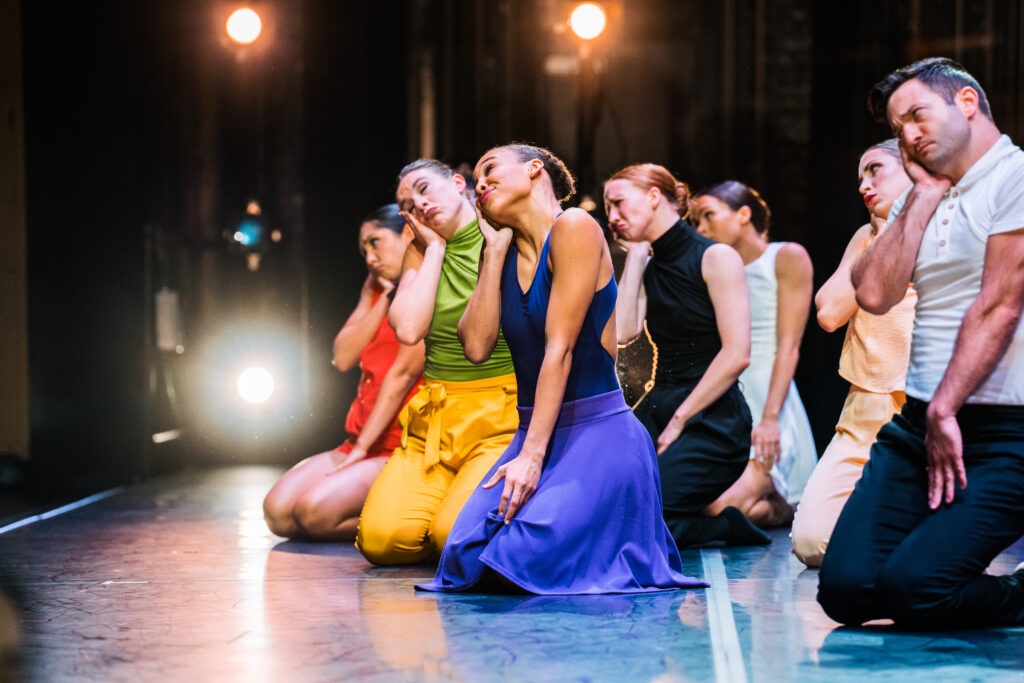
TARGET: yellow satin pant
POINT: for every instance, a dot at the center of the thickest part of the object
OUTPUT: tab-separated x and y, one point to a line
452	433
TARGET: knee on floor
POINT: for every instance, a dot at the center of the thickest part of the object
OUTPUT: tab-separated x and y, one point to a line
391	544
809	544
911	596
315	516
844	592
279	517
438	532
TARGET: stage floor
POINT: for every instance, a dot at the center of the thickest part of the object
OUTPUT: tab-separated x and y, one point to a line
178	579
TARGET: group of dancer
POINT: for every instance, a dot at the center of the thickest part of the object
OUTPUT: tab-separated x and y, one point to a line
517	464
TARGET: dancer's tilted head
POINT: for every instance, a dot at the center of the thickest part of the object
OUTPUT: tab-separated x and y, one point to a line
435	195
940	74
725	211
934	107
505	176
383	238
882	177
640	199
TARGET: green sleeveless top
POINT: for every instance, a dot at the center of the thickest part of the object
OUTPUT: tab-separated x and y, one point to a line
446	359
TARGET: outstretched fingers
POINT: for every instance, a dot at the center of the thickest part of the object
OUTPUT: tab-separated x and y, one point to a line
498	475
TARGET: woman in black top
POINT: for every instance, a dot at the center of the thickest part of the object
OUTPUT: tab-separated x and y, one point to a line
693	294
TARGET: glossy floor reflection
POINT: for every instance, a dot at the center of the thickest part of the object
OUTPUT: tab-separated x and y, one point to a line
178	579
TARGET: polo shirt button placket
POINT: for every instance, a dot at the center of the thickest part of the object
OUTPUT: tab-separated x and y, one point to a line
944	226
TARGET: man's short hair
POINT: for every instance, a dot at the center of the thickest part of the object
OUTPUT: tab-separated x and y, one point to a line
940	74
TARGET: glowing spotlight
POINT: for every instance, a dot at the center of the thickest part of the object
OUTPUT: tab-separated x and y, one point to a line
249	233
244	26
587	20
255	385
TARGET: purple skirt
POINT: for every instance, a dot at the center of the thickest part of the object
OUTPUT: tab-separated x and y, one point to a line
594	524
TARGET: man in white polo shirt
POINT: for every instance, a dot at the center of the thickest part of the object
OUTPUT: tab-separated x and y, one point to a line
943	492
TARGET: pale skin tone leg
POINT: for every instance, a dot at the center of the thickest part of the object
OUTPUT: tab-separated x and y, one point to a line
338	482
280	502
339	495
329	509
755	495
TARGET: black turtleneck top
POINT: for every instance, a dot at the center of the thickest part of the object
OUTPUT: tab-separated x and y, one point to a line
680	316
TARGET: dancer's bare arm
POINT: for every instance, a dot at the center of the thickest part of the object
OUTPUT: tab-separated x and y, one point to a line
631	304
985	333
398	380
795	282
413	307
836	300
361	326
723	272
578	255
481	322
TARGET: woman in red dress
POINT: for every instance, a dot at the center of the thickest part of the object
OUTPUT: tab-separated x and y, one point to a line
321	497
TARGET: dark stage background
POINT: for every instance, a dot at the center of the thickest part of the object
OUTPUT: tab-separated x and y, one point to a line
145	133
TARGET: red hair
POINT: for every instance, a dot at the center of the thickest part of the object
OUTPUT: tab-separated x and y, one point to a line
647	176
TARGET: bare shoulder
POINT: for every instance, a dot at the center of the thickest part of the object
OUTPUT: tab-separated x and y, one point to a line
574	229
862	238
720	256
576	222
792	259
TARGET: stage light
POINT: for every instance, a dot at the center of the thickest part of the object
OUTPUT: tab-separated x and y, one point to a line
587	20
249	385
249	233
244	26
255	385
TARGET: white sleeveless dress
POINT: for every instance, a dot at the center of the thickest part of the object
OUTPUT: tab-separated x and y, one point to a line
799	454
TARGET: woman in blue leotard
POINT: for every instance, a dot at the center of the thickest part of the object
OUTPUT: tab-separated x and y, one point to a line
574	505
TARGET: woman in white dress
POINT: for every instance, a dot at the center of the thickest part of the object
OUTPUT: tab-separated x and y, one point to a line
780	281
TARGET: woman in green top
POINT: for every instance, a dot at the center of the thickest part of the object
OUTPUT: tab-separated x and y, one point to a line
465	415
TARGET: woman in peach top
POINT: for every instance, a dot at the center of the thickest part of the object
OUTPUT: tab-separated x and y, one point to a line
874	361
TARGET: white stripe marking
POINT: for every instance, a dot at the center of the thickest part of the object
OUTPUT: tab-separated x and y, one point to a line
725	642
62	509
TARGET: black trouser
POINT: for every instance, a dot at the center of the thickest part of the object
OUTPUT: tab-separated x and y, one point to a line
890	556
706	459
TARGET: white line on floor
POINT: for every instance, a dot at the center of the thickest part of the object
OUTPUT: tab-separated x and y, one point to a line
725	643
61	510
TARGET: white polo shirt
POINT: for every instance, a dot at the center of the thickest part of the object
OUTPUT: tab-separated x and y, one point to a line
988	200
